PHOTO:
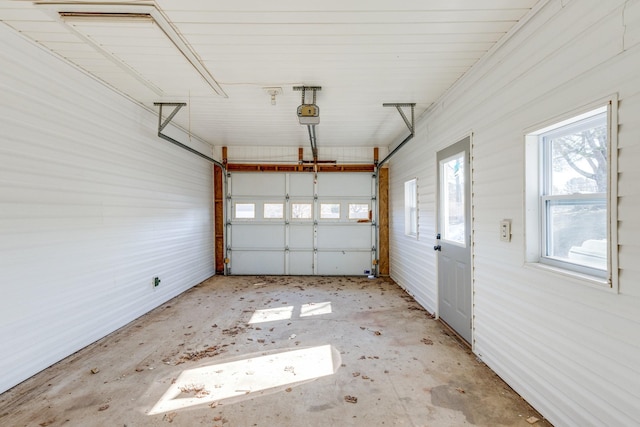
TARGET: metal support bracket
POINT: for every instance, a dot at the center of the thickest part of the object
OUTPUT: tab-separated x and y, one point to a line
410	125
399	106
163	124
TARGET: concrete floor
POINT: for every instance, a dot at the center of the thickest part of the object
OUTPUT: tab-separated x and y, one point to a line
273	351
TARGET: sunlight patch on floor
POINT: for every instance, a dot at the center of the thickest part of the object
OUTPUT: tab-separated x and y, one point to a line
271	314
314	309
248	376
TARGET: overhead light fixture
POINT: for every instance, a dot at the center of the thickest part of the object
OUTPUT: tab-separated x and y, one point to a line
87	20
273	92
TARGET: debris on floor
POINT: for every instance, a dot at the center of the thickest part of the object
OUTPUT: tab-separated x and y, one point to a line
532	420
350	399
198	390
427	341
169	417
197	355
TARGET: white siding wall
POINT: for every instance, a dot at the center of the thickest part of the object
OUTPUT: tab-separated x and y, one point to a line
572	350
93	205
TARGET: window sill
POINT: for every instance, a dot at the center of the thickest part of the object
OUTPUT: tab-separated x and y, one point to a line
575	277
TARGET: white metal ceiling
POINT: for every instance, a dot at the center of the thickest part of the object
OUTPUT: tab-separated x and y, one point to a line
362	52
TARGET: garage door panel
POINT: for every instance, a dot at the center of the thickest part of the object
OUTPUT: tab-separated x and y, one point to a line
301	263
246	184
258	236
343	263
257	262
350	236
301	236
345	185
301	185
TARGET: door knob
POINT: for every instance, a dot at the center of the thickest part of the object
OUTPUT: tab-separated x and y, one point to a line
437	248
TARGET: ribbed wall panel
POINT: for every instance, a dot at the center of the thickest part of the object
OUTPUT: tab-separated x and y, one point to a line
93	205
570	348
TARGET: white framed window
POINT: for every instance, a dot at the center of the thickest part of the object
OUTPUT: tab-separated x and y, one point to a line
301	211
570	216
273	211
411	208
329	210
358	211
245	210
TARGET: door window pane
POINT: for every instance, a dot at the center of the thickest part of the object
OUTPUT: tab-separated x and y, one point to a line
330	210
452	193
301	210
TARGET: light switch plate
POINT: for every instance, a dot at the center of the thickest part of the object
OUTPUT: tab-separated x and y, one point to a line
505	230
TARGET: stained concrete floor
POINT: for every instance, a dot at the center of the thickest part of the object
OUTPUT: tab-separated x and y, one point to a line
273	351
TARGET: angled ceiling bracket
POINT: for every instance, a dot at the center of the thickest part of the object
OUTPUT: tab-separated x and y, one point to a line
399	106
163	124
410	125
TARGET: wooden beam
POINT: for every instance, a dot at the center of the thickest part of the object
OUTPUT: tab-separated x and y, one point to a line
290	167
224	155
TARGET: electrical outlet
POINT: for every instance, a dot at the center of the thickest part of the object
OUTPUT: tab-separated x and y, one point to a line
505	230
156	282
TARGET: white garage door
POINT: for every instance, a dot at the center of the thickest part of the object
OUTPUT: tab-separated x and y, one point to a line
301	223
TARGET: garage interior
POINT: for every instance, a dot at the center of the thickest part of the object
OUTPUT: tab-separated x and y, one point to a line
350	205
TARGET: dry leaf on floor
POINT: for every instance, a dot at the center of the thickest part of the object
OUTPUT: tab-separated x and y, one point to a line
427	341
351	399
356	374
95	370
103	408
532	420
460	390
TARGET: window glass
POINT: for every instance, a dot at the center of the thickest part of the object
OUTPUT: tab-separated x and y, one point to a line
573	193
301	211
330	210
273	210
358	211
453	210
411	208
245	210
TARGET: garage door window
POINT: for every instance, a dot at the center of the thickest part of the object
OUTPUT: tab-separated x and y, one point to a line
301	211
330	210
358	211
245	210
273	211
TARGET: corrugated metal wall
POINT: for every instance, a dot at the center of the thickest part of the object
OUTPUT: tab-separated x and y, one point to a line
571	349
93	205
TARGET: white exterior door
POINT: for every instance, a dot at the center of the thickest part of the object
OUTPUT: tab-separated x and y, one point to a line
300	223
454	238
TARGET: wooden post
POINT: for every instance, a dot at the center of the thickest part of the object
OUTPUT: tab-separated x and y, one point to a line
383	222
224	155
218	214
